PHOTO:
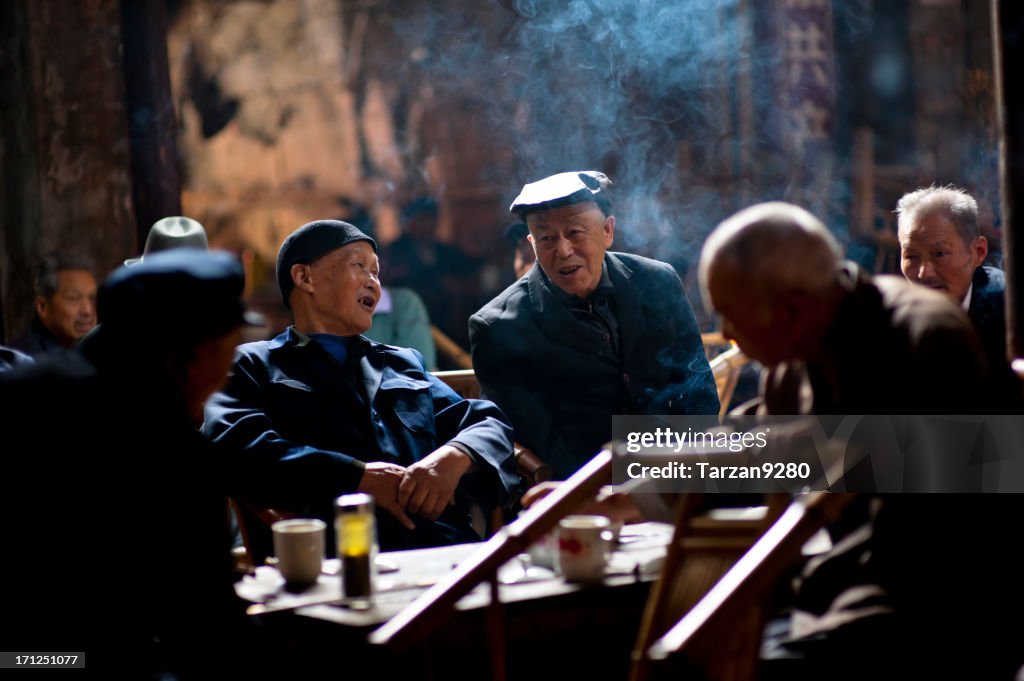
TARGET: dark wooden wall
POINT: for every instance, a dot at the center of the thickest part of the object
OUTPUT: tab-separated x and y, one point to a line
65	152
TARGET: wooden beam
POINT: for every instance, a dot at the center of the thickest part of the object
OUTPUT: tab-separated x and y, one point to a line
1008	49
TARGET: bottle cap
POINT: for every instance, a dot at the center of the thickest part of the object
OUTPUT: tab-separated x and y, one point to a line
354	503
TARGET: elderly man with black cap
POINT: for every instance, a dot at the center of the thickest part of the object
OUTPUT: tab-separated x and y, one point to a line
587	333
121	502
322	411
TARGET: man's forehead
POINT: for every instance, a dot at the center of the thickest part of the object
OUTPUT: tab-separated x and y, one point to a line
573	212
935	229
76	277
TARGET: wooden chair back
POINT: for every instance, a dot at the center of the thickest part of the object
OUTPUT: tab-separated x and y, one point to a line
704	546
720	633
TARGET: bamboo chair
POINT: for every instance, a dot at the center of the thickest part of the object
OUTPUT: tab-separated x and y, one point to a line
703	548
450	349
726	368
719	635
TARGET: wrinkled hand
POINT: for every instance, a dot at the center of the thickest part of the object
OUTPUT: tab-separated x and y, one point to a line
429	484
381	481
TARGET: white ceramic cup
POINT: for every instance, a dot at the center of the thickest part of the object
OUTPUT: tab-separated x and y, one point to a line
299	547
583	542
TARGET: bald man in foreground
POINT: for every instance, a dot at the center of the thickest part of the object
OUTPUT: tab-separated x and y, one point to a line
904	590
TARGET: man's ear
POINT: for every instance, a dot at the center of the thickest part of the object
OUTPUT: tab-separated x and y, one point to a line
979	250
302	277
40	307
609	231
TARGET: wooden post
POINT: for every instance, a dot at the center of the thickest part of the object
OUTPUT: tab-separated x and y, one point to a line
156	184
1008	48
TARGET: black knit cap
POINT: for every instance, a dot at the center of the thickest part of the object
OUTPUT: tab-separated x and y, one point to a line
310	242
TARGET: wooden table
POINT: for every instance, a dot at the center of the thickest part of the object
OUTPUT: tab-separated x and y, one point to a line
580	629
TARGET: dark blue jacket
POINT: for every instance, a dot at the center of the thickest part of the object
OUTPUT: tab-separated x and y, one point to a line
37	340
558	383
300	431
988	312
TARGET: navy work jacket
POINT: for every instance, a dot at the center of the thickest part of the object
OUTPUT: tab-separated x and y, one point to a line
301	426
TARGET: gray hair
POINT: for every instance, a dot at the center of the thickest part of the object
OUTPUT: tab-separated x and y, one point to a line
51	266
777	247
950	201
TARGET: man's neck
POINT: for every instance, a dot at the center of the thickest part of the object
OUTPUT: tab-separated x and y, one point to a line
309	324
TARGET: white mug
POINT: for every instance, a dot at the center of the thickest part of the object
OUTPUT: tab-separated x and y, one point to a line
299	547
583	542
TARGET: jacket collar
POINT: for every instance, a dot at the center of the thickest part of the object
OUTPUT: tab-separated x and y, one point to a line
371	356
553	316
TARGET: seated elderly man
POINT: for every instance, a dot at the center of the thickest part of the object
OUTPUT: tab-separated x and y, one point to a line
941	247
65	306
321	411
587	333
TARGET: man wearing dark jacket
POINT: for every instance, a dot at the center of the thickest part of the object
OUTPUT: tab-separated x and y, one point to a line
120	502
587	333
322	411
65	306
941	247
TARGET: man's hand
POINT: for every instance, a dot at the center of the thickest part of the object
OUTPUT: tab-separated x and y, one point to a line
381	481
538	492
429	484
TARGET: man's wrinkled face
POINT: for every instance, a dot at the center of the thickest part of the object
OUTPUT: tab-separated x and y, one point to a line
570	242
71	311
346	289
933	254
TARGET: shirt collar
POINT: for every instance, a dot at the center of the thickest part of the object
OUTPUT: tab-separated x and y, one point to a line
966	304
298	338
